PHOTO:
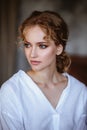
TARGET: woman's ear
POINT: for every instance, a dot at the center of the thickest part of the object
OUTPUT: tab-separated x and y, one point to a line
59	49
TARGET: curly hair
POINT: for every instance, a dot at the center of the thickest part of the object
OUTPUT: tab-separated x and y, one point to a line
55	28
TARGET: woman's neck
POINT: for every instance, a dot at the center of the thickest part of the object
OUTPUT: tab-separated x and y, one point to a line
46	77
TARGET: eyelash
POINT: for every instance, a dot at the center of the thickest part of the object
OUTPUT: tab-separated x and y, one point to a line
43	46
28	45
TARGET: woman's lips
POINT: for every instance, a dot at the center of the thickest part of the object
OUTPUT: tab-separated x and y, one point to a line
35	62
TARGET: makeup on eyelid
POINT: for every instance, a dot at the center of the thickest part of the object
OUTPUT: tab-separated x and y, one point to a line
42	45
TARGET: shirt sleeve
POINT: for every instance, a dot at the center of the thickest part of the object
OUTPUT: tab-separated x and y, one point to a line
82	125
10	110
9	123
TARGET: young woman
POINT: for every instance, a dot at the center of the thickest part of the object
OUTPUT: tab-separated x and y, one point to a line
45	97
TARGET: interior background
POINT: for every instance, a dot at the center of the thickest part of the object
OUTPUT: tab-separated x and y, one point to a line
12	14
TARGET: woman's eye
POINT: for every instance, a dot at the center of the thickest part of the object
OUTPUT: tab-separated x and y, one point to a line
43	46
27	45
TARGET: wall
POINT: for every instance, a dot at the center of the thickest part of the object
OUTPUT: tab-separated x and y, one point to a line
73	11
75	14
8	27
13	12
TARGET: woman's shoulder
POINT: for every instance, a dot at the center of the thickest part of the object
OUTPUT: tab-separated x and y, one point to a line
13	79
12	84
74	81
10	89
10	95
77	90
76	85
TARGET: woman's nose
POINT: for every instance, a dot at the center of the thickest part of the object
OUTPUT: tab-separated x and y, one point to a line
34	52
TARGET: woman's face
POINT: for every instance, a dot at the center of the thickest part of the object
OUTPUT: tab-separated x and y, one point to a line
40	53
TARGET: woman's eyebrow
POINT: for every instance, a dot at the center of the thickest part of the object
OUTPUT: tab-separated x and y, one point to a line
26	41
42	42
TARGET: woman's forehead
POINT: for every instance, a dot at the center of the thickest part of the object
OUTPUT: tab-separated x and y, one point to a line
36	30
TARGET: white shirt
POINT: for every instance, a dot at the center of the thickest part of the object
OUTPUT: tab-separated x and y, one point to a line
23	106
